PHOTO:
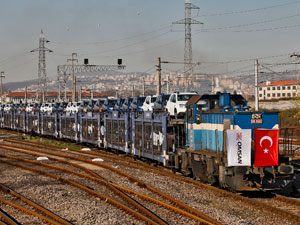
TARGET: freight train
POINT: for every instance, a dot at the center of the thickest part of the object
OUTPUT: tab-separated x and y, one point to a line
196	146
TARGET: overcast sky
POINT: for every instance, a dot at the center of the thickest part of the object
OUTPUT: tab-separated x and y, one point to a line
138	31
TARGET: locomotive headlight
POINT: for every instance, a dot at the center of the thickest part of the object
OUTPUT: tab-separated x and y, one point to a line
286	169
198	118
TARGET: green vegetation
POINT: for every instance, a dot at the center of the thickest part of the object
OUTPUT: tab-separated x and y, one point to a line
289	118
53	143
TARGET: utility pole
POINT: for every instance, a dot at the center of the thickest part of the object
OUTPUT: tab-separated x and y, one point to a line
158	76
188	55
298	56
117	92
80	93
132	90
143	86
1	77
168	83
256	84
73	76
26	94
42	76
59	96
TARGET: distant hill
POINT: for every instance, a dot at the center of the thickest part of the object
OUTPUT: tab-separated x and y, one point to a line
11	86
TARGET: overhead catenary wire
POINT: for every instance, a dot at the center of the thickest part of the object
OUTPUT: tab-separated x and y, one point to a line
250	24
249	10
111	41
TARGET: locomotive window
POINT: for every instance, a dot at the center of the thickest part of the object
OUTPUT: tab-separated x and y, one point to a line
191	114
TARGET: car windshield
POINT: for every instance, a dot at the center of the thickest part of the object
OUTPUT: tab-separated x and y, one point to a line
112	102
91	103
153	99
141	100
184	97
165	97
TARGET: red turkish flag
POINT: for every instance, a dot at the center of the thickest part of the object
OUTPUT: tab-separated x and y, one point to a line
266	147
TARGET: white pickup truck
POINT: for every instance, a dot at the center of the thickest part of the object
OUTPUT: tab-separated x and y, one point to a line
176	103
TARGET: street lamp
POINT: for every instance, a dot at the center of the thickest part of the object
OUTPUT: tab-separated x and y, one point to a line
1	77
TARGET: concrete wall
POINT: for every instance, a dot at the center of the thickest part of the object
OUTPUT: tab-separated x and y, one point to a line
277	105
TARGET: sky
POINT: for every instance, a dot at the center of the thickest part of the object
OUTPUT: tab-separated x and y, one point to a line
233	34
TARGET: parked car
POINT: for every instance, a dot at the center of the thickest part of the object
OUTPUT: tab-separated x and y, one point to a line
7	107
44	107
68	108
126	107
75	107
29	107
119	104
108	104
90	106
148	103
176	103
161	102
61	106
136	104
83	106
98	105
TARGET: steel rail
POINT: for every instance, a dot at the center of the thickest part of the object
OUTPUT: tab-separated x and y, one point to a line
115	190
252	202
8	218
287	200
28	211
80	186
35	205
3	223
165	205
131	178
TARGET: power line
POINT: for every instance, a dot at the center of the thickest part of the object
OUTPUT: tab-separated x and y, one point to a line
268	29
248	10
126	46
250	24
111	41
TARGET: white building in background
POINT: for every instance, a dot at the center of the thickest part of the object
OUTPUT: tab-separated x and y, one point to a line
281	89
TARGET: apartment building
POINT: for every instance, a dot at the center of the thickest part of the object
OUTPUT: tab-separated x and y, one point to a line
281	89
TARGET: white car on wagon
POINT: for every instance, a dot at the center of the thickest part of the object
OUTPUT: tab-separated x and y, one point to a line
176	103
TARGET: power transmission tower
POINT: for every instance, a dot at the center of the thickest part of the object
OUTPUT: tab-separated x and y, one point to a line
188	55
42	76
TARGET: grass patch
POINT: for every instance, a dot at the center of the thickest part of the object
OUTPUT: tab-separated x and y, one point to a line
53	143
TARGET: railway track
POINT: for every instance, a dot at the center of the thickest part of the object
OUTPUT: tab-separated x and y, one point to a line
10	220
36	206
284	212
195	215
